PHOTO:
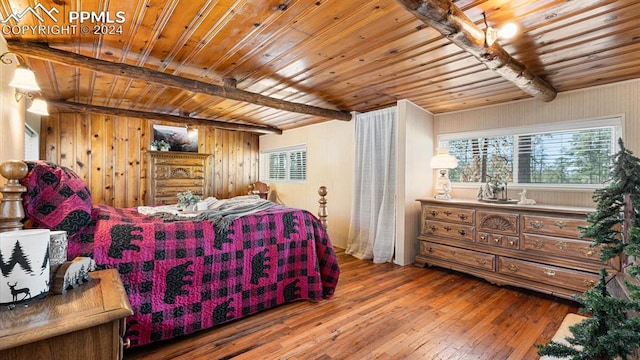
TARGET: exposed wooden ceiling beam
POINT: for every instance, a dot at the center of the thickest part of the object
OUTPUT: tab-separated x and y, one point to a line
44	52
72	106
452	22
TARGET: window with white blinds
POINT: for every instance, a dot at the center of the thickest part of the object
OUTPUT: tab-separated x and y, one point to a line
566	154
298	165
284	164
31	144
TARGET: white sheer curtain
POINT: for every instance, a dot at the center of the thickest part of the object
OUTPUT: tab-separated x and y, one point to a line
372	228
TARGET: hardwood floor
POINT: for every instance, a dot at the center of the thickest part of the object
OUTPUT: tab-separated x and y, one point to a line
383	311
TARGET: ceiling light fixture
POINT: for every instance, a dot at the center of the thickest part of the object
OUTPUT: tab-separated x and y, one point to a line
24	81
507	31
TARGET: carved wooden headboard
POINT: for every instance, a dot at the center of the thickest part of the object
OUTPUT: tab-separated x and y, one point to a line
11	210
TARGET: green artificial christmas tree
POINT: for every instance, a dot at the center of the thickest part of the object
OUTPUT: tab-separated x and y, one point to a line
613	330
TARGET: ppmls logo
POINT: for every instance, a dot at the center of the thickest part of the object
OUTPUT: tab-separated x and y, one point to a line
99	23
34	11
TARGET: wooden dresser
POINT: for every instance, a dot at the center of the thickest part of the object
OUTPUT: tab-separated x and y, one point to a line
534	247
171	172
85	323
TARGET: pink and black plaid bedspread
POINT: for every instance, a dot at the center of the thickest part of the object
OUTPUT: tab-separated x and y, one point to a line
182	277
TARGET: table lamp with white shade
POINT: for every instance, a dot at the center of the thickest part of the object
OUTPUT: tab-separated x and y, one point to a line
443	161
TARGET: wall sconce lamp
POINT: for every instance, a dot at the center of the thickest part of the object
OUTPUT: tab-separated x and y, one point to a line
443	161
38	106
24	81
507	31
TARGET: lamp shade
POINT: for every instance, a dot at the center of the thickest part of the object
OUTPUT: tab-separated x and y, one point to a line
38	106
24	79
444	160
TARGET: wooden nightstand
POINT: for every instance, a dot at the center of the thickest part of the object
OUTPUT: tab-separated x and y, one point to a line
85	323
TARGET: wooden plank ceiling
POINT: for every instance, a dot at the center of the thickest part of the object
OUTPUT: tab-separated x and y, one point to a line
356	55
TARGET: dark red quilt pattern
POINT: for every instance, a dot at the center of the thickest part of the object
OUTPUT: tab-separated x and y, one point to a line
181	278
56	198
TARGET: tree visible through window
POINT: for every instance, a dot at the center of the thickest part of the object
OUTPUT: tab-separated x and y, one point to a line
482	159
575	156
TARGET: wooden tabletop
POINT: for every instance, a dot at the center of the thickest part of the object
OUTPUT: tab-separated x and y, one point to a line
511	206
99	301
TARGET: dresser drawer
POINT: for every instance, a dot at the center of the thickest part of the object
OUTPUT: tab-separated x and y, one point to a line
458	215
180	183
450	230
554	226
179	161
499	222
552	275
178	172
506	241
578	249
165	200
172	191
458	255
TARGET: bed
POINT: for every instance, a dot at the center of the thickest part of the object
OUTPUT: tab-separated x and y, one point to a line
181	274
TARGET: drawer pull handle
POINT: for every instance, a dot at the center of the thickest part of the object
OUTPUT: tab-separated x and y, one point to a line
482	262
433	213
497	240
512	243
538	244
447	212
453	252
588	252
537	224
549	273
462	216
430	250
561	224
513	267
447	228
561	245
589	283
462	232
483	238
126	343
433	228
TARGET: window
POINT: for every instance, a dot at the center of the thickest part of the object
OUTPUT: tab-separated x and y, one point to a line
31	144
285	164
567	154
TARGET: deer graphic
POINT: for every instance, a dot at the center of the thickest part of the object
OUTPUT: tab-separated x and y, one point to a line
15	292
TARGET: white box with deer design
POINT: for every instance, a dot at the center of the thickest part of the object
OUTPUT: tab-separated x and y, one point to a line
24	265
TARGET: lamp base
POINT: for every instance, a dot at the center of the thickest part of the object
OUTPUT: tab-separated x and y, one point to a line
443	197
443	185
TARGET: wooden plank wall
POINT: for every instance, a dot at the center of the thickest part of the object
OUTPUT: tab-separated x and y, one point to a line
109	153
